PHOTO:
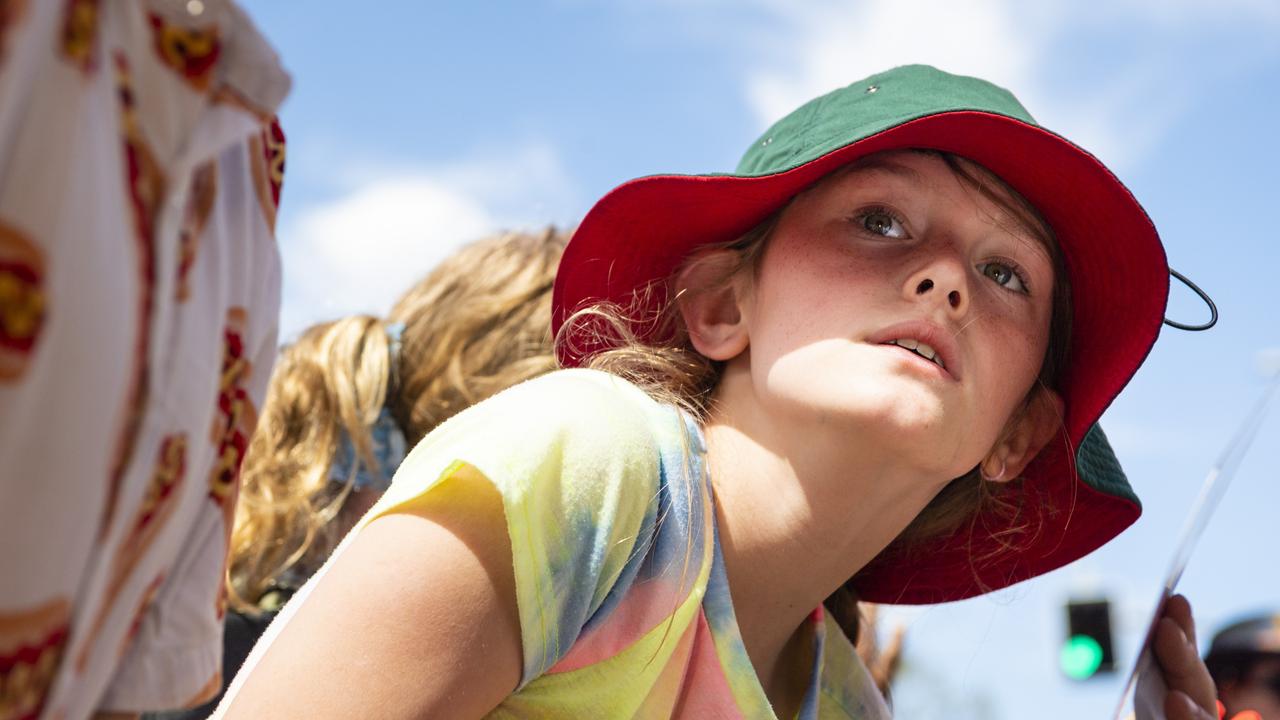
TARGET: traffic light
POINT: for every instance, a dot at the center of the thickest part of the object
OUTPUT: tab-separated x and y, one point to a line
1088	649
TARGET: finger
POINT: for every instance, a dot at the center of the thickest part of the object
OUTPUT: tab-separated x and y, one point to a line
1183	669
1178	609
1179	706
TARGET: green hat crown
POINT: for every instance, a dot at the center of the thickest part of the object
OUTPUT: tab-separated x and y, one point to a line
870	106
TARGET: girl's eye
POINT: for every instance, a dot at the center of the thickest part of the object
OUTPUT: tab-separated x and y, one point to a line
1004	275
882	223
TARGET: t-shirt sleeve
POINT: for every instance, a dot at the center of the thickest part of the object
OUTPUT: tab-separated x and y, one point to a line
575	457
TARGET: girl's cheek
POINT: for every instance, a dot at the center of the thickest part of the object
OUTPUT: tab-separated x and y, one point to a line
1015	315
1008	343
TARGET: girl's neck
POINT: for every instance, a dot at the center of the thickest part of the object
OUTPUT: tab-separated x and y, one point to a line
801	507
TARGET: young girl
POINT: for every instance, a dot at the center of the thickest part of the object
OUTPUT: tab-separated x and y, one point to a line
867	365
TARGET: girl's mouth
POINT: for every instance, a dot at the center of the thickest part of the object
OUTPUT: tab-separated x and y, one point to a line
921	349
926	341
921	355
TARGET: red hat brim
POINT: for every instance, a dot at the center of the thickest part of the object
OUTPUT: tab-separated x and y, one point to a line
640	232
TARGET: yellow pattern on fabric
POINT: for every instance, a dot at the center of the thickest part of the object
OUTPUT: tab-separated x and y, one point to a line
571	474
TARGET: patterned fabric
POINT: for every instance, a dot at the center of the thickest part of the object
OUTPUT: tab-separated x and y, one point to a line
624	605
139	291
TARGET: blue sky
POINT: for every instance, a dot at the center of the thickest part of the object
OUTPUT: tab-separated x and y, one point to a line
416	126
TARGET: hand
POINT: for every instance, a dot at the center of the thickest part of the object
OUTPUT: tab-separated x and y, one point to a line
1191	695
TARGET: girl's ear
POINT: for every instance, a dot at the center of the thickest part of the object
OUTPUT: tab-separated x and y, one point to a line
1026	435
710	303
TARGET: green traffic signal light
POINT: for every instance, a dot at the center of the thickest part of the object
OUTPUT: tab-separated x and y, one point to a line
1081	657
1088	651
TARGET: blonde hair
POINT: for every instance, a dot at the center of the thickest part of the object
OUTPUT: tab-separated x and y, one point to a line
476	324
672	371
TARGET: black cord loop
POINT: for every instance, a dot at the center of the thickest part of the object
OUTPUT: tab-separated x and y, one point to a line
1213	309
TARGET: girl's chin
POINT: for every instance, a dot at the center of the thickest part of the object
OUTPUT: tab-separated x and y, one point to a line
911	420
900	402
869	402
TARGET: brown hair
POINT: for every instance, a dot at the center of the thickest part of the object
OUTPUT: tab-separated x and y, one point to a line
476	324
673	372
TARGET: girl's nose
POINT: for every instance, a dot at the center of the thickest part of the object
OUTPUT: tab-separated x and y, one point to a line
941	282
953	297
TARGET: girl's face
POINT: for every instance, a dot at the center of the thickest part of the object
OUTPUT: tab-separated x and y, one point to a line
900	252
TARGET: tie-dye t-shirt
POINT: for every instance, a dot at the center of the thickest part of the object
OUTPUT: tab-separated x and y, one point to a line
623	601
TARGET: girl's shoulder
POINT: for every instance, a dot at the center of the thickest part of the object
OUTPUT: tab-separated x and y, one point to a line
579	426
589	405
576	456
580	389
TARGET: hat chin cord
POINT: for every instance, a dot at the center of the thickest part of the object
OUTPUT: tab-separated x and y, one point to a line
1213	309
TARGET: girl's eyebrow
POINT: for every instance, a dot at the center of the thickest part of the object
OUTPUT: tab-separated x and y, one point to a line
873	163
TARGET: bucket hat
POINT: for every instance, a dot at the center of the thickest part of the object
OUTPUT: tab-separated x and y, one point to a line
637	235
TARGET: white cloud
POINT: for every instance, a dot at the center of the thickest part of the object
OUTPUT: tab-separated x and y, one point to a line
1118	115
521	186
393	224
833	43
357	254
518	183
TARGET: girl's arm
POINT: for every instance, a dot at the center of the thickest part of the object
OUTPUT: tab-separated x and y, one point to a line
416	618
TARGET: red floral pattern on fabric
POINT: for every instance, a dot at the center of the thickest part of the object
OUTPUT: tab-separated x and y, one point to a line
31	647
267	152
190	52
22	301
163	492
146	182
146	190
79	37
204	190
273	142
233	424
